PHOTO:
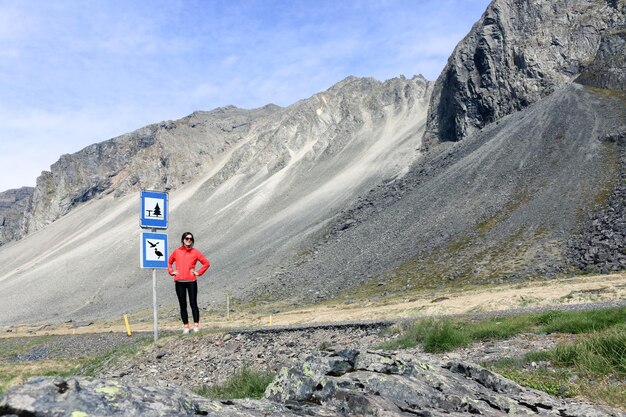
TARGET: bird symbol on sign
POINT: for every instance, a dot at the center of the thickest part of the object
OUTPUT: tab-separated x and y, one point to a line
152	245
157	252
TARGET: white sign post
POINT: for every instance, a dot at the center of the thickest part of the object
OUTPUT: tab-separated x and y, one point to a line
154	252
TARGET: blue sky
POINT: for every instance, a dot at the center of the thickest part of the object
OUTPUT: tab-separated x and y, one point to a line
73	73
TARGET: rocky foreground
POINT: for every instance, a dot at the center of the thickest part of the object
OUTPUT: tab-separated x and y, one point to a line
330	383
320	371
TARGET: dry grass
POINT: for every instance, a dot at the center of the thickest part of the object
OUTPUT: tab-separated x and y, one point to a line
13	374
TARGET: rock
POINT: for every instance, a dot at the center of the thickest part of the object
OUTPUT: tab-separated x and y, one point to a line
599	246
346	382
13	205
518	53
608	68
510	196
403	385
52	397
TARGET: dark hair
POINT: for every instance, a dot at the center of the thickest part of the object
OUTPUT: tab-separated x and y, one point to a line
182	238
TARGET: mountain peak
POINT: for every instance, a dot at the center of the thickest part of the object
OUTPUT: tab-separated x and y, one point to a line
517	53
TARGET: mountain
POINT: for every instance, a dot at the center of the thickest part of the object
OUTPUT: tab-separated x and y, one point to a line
253	186
534	190
502	205
517	53
510	166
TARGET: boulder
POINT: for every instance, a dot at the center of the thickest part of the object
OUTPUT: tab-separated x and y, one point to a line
388	384
346	382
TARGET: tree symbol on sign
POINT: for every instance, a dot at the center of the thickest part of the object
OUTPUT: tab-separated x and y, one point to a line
157	210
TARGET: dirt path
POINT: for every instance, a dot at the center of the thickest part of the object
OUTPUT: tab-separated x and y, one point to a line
506	297
559	292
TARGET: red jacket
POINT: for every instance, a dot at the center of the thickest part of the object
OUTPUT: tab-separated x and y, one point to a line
186	260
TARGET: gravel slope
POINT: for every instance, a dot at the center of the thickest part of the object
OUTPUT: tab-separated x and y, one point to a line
499	206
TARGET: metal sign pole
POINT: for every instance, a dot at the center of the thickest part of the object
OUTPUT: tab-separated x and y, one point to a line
154	302
154	305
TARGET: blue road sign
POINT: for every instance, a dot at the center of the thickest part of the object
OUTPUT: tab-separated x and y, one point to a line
154	206
154	252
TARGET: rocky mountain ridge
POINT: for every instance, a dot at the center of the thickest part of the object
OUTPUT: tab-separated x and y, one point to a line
252	140
517	53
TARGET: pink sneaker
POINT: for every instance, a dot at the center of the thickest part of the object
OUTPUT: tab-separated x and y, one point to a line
196	327
186	329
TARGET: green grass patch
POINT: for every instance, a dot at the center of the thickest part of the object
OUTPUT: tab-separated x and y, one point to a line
576	322
498	328
434	335
593	367
92	365
445	336
599	354
247	383
448	334
554	383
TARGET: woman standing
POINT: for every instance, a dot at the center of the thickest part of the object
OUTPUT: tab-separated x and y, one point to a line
186	278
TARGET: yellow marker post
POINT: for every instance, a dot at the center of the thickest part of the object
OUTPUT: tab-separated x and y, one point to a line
127	325
270	319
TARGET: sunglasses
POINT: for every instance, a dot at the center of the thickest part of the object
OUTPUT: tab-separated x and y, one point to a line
188	238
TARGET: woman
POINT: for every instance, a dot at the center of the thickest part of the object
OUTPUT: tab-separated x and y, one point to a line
186	278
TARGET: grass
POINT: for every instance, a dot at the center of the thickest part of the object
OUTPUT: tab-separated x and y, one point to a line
12	373
17	347
247	383
435	336
601	354
443	335
553	383
15	373
90	366
594	366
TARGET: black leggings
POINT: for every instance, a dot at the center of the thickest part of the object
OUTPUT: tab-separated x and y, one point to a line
181	291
